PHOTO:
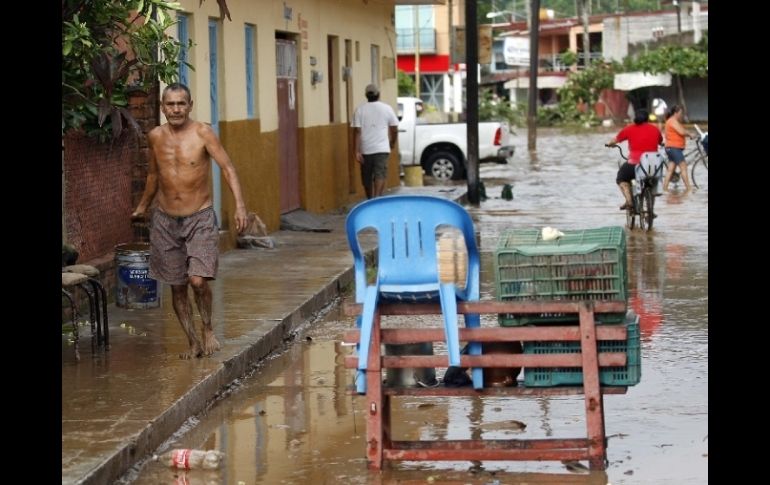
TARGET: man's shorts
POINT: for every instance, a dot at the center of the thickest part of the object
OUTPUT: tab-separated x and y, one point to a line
675	155
184	246
375	166
626	173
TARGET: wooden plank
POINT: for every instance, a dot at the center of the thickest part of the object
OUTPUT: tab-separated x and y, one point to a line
491	334
493	391
528	478
490	306
606	359
597	453
485	455
509	444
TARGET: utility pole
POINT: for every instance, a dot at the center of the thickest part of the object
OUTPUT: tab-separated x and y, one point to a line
678	16
416	11
696	21
585	11
534	36
472	97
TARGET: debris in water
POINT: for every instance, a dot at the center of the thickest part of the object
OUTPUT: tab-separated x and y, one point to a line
511	425
574	466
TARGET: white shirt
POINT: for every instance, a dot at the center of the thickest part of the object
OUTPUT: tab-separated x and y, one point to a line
374	118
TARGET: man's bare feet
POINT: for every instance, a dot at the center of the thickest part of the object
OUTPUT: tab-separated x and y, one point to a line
210	342
195	351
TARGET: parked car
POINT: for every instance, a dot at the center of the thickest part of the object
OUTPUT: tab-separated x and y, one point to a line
441	148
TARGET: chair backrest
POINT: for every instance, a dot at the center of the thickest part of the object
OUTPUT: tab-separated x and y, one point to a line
406	231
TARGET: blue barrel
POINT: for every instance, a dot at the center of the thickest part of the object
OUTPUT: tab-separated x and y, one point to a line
134	288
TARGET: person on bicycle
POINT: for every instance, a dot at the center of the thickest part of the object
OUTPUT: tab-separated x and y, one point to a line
675	143
642	137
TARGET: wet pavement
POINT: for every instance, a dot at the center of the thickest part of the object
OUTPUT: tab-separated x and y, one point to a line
120	405
294	422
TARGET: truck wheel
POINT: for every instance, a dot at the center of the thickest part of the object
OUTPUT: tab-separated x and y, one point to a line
444	166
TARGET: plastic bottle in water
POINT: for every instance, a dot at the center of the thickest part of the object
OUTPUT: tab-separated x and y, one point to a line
188	459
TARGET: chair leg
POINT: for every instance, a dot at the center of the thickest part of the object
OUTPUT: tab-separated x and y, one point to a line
367	321
93	316
449	309
103	336
360	381
477	373
75	332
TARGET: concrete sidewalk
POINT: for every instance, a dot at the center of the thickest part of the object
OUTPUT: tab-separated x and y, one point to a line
119	406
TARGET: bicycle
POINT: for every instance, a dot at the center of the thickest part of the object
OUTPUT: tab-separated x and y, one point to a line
643	188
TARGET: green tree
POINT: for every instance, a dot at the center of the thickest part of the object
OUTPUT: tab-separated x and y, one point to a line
585	87
493	108
406	85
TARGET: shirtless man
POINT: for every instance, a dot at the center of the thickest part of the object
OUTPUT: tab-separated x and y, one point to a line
184	234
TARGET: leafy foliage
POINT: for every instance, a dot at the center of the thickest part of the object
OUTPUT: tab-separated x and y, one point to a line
682	61
566	8
568	58
406	85
585	87
494	108
108	48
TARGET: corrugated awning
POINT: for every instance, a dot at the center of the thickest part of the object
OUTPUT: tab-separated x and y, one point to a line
628	81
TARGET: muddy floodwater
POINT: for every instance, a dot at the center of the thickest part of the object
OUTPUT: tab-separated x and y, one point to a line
294	421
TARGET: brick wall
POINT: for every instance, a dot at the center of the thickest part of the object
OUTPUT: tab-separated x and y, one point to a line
97	193
103	185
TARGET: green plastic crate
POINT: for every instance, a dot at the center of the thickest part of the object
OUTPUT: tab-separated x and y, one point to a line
608	376
588	264
614	236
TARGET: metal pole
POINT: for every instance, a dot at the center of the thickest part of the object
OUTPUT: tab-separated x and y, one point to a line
472	97
417	50
534	32
678	16
696	22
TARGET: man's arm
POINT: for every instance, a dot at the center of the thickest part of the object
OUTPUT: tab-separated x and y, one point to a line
220	156
359	155
392	135
151	186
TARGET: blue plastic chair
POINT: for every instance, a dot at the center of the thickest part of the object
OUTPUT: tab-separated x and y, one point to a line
407	267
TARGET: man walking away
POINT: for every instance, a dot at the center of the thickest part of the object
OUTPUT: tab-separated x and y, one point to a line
376	129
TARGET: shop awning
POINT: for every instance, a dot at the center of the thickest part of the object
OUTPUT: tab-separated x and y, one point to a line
629	81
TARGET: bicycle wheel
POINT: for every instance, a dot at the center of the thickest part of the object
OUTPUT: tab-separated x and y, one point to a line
646	214
692	171
638	211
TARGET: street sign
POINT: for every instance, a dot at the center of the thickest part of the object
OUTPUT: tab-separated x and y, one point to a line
516	51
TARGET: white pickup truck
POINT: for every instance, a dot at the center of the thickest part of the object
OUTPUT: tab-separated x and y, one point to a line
441	148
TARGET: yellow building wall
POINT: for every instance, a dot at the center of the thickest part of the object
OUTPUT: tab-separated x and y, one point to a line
325	183
253	153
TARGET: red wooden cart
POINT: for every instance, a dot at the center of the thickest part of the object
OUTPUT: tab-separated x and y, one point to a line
592	447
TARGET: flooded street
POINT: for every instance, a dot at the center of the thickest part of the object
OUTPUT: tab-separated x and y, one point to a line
294	422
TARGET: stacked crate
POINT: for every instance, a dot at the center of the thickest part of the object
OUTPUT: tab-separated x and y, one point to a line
627	375
588	264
